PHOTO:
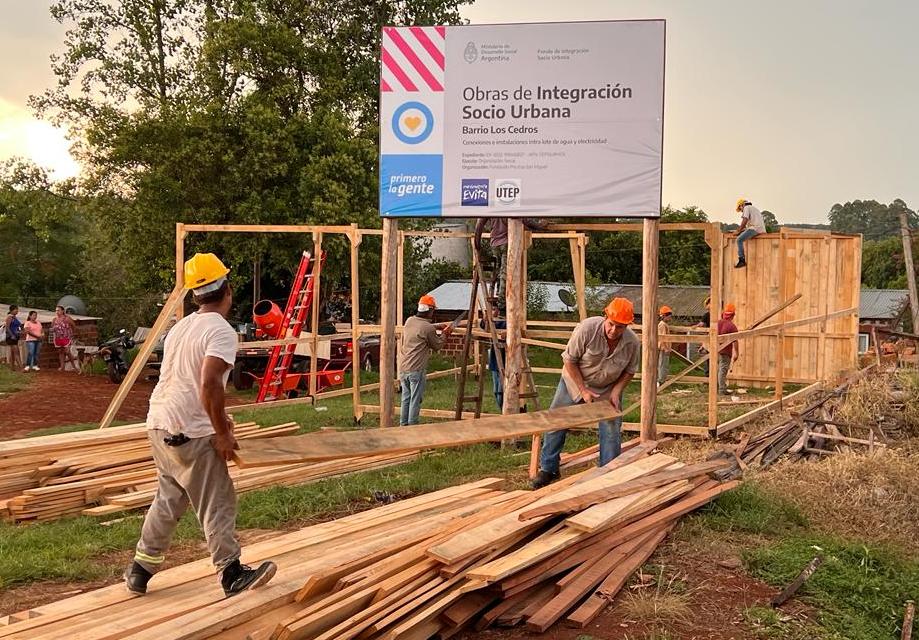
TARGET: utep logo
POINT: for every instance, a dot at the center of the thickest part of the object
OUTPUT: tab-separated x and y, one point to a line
412	122
507	192
474	192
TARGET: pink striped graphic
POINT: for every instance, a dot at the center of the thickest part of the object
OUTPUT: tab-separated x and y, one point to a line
397	71
436	54
442	31
384	86
412	57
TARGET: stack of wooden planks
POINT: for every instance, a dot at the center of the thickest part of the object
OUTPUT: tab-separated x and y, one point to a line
107	471
470	556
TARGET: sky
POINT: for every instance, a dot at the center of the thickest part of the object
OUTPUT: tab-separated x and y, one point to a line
793	104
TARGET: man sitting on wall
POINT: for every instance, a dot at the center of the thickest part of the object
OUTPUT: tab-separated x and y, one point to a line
599	362
751	225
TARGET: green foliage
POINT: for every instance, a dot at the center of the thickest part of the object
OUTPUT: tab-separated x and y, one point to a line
883	266
859	589
750	510
871	218
11	381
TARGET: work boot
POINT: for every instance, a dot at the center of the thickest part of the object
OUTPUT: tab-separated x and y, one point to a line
238	577
136	579
544	478
741	263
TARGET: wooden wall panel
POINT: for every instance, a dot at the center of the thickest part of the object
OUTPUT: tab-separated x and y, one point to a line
826	270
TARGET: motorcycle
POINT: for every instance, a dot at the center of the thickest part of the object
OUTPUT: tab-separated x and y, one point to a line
112	352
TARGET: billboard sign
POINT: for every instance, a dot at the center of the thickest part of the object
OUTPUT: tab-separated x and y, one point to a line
542	120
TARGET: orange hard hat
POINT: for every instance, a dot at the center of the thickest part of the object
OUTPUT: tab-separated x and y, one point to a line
665	310
620	311
426	303
730	308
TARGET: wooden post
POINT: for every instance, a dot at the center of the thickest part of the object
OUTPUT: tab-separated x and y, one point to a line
355	325
649	356
174	302
180	264
579	276
909	613
910	270
780	339
400	295
717	263
314	320
516	322
388	301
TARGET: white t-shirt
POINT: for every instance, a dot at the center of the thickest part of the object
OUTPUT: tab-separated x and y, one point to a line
754	218
175	405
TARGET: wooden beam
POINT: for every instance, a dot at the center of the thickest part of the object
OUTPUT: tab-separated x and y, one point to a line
775	328
388	302
332	446
355	324
626	226
716	290
910	269
314	311
516	319
268	228
755	413
649	348
180	264
172	303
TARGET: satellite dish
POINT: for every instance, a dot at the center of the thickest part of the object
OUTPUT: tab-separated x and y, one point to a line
567	298
72	304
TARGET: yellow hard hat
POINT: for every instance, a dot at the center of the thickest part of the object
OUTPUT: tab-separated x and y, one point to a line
741	202
203	269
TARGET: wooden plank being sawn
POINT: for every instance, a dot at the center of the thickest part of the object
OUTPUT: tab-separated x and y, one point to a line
313	447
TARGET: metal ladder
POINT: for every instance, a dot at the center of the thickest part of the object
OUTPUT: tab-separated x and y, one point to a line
299	304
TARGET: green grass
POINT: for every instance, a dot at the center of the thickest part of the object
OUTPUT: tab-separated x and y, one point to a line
12	381
858	592
770	624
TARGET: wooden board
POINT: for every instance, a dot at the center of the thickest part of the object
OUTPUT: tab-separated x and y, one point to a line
331	446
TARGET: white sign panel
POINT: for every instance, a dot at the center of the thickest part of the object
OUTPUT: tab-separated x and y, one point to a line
542	120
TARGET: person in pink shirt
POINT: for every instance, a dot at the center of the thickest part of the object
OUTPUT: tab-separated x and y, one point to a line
34	333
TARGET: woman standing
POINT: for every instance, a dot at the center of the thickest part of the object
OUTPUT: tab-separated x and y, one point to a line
63	327
13	326
34	334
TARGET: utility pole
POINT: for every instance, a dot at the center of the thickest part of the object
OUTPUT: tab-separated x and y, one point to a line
910	270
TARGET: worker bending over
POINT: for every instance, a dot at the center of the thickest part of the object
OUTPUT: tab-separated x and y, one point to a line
599	362
419	340
664	348
751	224
191	437
728	354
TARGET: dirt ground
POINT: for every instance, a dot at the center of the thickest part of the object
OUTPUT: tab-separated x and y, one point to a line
56	398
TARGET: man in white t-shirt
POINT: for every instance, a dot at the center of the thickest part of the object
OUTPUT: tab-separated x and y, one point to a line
751	224
191	437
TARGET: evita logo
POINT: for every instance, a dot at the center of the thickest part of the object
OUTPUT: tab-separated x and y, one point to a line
507	192
474	192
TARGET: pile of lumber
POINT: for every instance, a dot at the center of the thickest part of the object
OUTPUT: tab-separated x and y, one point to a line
470	556
107	471
811	432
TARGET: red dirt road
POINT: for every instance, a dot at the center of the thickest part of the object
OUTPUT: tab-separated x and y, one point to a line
54	398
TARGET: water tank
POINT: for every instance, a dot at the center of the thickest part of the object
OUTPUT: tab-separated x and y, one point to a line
73	305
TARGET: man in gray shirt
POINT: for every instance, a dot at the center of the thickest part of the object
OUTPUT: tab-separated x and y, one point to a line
599	362
498	242
419	340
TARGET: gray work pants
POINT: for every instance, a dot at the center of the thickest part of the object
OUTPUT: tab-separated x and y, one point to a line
190	474
724	366
663	367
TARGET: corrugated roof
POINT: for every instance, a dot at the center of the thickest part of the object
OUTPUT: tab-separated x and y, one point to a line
882	304
43	314
686	301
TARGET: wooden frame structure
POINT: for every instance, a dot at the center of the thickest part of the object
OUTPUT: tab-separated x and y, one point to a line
724	284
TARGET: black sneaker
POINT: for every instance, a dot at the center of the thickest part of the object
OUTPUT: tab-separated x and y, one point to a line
136	579
238	577
741	263
544	478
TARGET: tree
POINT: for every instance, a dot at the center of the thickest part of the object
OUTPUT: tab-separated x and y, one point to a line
870	218
242	111
772	225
